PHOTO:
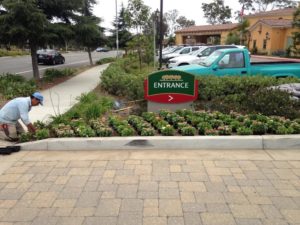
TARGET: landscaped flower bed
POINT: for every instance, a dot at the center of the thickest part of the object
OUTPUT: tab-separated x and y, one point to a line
167	123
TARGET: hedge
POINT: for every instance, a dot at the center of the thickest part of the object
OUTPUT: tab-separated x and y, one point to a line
242	94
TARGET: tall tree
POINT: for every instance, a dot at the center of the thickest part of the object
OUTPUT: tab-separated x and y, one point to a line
23	21
265	5
87	31
296	34
184	22
171	18
137	15
32	22
216	12
124	34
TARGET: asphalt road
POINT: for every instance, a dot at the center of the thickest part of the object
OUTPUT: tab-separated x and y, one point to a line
22	64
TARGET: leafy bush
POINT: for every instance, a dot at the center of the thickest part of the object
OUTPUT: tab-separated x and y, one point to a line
51	74
12	52
121	79
247	95
244	131
105	60
258	128
42	134
12	86
25	137
188	131
272	102
90	106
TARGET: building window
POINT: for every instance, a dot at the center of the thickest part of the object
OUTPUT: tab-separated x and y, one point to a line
254	44
265	44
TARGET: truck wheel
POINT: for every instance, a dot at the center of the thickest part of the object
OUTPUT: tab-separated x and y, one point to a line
183	64
280	77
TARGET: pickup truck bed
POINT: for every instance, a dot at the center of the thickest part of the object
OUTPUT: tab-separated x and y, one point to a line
237	62
278	68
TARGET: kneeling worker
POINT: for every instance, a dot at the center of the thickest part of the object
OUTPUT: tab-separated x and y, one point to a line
12	111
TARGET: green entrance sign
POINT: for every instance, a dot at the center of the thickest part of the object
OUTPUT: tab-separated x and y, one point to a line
171	86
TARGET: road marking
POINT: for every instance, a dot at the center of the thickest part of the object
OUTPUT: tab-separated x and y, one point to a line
49	67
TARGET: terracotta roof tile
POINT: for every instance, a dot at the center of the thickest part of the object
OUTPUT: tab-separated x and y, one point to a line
277	23
277	12
219	27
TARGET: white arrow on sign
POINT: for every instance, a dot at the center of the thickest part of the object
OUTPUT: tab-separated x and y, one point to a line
170	98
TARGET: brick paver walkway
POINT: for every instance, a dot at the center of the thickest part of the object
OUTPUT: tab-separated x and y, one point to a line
150	188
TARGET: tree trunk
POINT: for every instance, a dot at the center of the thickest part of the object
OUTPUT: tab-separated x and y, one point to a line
66	42
35	68
90	55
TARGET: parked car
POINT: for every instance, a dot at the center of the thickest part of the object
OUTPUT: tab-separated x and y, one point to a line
182	51
237	62
182	60
50	56
209	50
171	50
198	57
101	49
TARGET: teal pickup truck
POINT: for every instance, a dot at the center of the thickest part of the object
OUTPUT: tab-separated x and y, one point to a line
237	62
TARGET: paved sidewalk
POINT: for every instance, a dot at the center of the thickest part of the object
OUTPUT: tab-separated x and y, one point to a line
62	97
150	187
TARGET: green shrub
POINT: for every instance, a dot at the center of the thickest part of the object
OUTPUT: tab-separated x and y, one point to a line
211	132
296	127
244	131
235	125
246	95
203	128
105	60
42	134
188	131
25	137
121	79
272	102
93	111
12	52
272	126
84	131
51	74
224	130
147	132
284	130
12	86
167	130
258	128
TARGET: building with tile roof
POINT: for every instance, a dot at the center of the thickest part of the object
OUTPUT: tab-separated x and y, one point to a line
269	33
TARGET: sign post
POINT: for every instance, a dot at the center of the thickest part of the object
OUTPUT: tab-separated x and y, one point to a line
170	89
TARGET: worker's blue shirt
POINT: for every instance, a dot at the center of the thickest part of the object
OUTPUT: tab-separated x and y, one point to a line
15	109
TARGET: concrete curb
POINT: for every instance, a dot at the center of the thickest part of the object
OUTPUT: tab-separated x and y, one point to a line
267	142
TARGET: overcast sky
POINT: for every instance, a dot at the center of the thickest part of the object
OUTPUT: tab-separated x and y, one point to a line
191	9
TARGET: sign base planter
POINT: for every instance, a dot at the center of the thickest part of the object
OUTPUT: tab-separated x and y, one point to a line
156	107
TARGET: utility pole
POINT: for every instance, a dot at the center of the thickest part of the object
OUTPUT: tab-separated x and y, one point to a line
154	41
117	29
160	34
155	19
